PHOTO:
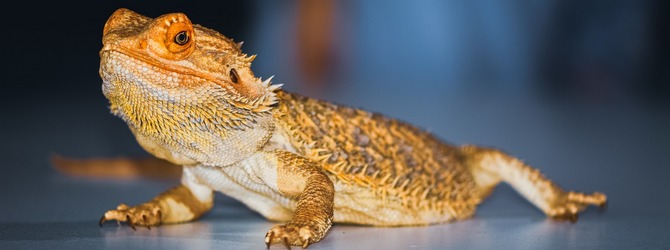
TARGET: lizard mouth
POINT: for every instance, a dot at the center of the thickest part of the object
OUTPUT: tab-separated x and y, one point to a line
118	61
158	64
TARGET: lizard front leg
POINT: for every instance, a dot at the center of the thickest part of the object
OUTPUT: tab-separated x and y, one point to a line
304	180
185	202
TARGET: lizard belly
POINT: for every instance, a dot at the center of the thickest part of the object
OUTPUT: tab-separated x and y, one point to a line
353	203
361	205
238	182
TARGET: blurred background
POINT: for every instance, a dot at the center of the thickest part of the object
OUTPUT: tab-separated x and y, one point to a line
579	89
586	50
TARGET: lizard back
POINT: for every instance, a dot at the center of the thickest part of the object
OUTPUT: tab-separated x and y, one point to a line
399	163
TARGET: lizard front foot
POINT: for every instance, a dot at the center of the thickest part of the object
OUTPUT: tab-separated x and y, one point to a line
147	214
290	235
568	205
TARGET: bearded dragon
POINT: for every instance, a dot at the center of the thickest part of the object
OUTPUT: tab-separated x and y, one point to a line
189	96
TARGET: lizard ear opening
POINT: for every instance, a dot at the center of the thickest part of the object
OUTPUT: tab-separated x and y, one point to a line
233	76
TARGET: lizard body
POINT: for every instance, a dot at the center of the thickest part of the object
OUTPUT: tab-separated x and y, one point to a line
188	95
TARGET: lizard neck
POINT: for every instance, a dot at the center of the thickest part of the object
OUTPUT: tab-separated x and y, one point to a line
199	126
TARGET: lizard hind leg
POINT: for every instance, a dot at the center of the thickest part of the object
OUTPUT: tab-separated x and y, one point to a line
490	166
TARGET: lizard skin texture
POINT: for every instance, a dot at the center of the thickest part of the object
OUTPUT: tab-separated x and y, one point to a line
189	96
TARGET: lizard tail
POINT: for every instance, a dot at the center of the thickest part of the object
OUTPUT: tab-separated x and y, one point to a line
117	168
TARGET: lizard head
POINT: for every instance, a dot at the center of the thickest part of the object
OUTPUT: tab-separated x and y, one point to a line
180	85
153	50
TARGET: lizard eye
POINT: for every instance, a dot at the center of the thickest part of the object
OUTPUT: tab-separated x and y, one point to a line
173	36
181	38
233	76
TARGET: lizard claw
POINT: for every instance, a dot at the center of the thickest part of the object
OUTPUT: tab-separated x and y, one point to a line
268	238
103	219
130	222
144	218
160	217
603	207
286	244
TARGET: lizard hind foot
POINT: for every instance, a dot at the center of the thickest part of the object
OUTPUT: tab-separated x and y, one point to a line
568	205
147	214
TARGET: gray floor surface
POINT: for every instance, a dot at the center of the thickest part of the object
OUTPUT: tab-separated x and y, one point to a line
622	150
